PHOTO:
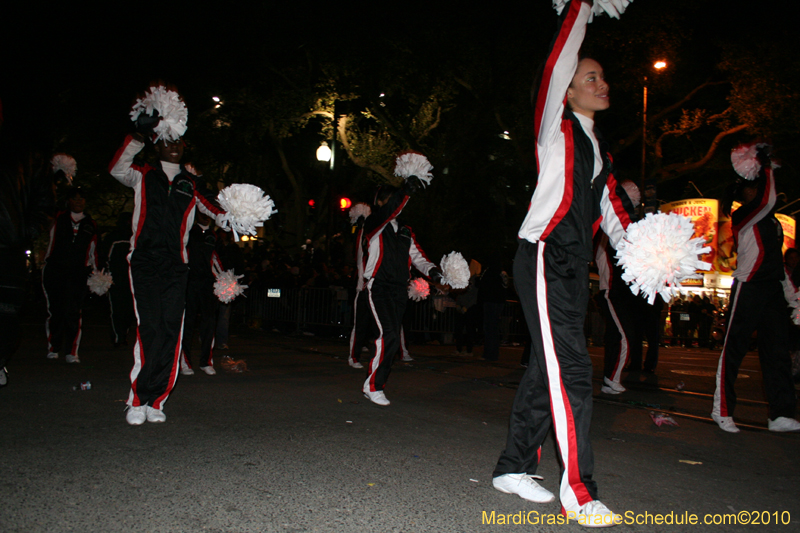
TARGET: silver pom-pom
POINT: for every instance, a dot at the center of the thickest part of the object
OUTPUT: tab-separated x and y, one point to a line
658	252
99	282
171	109
414	164
227	286
359	210
418	289
246	207
455	271
745	160
66	164
613	8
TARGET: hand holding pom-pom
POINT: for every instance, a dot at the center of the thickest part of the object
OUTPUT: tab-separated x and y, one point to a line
246	207
455	271
414	164
171	111
359	210
613	8
99	282
227	286
66	164
418	289
748	159
658	252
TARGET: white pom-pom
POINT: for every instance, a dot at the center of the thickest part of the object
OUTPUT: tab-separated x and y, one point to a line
66	164
796	316
171	109
414	164
658	252
359	210
418	289
246	207
613	8
99	282
745	160
227	286
455	271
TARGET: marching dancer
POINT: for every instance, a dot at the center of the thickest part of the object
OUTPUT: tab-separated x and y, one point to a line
71	257
166	197
757	296
576	190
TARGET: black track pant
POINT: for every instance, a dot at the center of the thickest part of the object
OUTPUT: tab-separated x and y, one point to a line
757	306
388	303
120	303
364	330
65	291
201	318
159	295
556	389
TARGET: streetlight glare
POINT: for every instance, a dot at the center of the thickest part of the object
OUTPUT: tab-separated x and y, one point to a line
215	98
658	65
323	152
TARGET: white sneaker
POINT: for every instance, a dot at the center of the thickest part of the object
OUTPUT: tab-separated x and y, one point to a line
725	422
355	364
72	358
595	514
209	370
136	415
783	423
186	370
52	355
407	358
377	397
3	377
524	486
608	390
615	385
155	415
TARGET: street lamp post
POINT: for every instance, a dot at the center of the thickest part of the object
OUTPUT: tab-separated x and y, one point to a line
658	65
327	153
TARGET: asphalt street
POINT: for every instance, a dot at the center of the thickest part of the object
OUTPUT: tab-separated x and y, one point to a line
291	445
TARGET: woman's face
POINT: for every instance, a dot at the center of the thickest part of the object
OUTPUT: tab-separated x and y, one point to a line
588	91
170	151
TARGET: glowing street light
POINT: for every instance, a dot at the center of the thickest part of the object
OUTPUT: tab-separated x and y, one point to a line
324	152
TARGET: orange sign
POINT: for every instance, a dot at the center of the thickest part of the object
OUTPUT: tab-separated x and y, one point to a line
703	214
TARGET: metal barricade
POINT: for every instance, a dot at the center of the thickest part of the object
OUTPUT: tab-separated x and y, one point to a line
331	309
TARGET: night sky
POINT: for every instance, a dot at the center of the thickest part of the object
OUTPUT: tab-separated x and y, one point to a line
64	65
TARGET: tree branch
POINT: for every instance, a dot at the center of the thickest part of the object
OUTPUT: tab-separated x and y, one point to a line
676	169
632	138
341	129
434	125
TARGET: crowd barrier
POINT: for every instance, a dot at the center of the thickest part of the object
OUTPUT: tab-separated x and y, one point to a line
301	310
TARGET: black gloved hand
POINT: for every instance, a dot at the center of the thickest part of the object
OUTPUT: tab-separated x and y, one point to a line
414	184
145	123
436	275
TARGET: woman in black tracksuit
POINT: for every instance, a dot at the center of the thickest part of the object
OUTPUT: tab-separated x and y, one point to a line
576	193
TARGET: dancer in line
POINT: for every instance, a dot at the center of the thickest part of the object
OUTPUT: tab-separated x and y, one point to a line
166	197
576	191
757	298
71	257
